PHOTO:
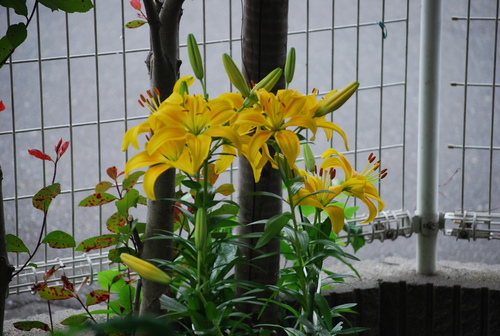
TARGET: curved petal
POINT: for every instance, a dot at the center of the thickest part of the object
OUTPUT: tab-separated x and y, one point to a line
250	117
257	141
131	135
150	179
143	159
327	125
199	147
225	158
225	132
302	121
371	208
163	136
188	79
336	215
289	144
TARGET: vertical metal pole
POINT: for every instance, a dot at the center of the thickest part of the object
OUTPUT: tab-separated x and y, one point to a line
428	136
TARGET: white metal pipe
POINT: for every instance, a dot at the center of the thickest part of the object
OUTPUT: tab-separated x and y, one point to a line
428	136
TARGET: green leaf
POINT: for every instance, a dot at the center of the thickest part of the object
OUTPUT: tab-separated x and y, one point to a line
273	227
131	180
172	305
15	244
97	199
126	298
55	293
96	296
135	24
98	242
110	280
16	34
69	6
44	197
103	186
116	221
225	189
75	319
129	200
324	310
28	325
5	48
59	240
19	6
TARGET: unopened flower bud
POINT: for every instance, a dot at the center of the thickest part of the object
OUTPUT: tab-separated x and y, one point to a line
145	269
336	99
195	57
235	75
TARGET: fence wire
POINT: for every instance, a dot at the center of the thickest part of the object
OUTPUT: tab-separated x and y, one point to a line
78	77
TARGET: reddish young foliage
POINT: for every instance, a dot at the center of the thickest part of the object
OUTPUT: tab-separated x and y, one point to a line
2	106
136	4
67	284
39	154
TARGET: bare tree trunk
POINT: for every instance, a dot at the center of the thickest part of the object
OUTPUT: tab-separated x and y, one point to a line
264	44
163	65
6	269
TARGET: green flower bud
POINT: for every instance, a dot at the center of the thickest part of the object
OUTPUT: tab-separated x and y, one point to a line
269	81
145	269
195	57
235	75
336	100
290	66
308	157
200	230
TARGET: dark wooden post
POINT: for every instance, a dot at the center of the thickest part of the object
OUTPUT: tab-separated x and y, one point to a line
264	48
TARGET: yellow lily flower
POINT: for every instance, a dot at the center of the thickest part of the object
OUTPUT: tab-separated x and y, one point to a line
328	127
271	118
153	104
197	121
357	184
311	194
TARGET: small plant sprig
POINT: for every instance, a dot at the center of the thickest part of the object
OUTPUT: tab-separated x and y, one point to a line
41	201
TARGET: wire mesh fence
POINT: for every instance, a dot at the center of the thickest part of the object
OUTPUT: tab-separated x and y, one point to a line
78	77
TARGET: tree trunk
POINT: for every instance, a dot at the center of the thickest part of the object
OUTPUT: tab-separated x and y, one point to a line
264	48
163	65
6	269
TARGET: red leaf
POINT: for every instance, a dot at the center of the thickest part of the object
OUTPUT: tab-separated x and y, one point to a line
97	296
67	284
136	4
2	106
28	325
63	149
39	154
112	172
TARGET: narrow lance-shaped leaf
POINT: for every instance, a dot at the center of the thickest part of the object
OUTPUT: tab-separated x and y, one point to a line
59	240
273	227
74	320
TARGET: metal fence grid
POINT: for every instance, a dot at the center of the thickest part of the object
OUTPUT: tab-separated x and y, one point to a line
79	76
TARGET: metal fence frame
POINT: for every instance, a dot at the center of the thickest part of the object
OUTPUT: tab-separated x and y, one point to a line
389	225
